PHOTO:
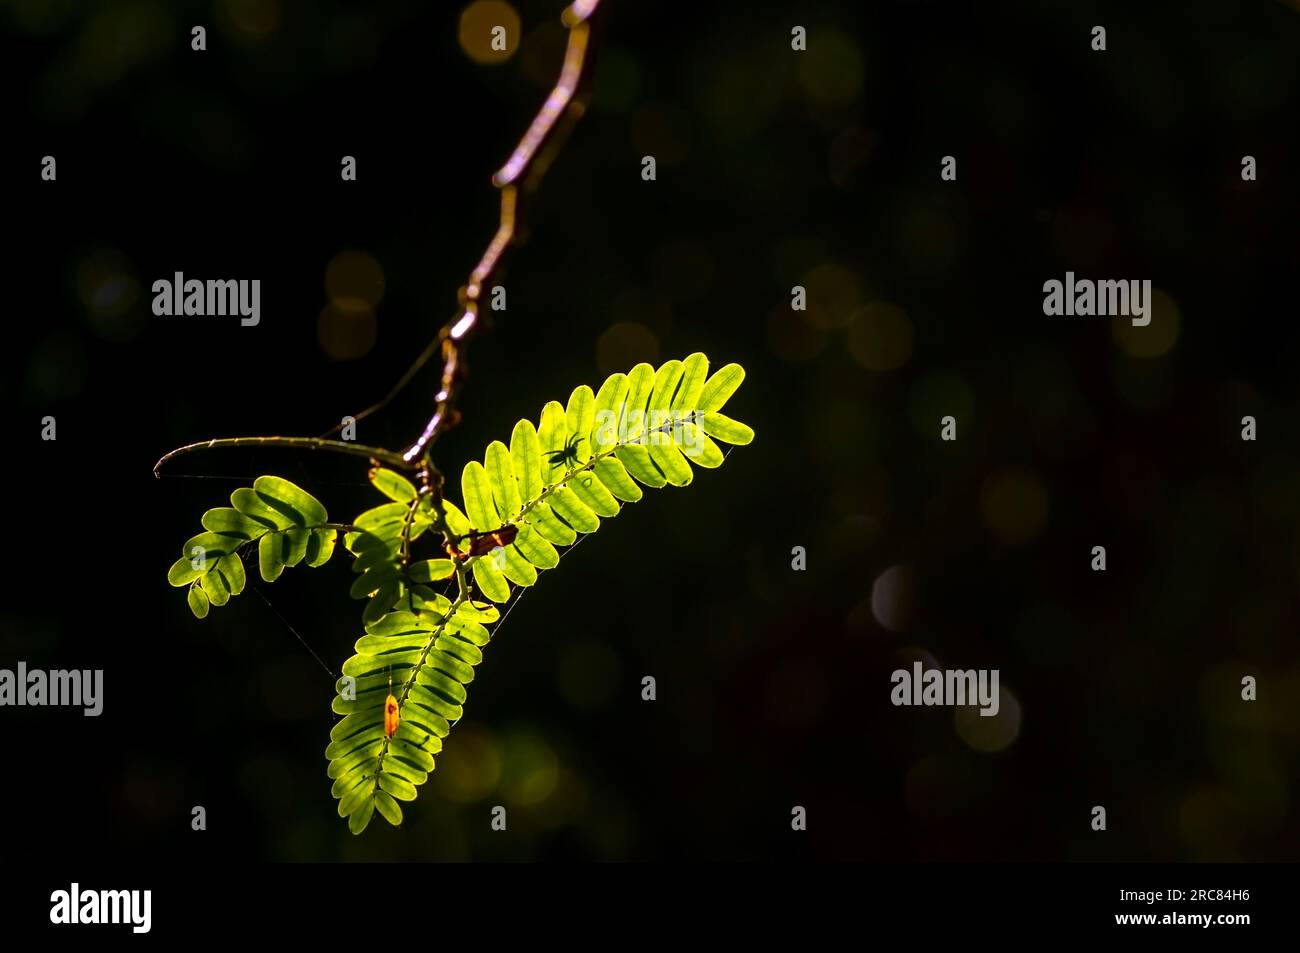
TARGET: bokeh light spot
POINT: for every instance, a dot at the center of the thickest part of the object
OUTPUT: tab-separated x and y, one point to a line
532	770
894	598
1155	339
834	72
880	337
624	345
354	279
1014	504
346	331
108	289
253	19
989	733
469	770
477	25
833	294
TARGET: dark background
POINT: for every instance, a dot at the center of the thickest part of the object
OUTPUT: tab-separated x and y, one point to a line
775	168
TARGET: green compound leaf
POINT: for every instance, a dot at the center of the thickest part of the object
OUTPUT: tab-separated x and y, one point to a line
381	544
580	464
583	462
426	658
287	524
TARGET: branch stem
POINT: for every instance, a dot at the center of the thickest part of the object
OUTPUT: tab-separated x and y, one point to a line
297	443
454	336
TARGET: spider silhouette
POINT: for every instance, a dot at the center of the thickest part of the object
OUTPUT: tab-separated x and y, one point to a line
566	456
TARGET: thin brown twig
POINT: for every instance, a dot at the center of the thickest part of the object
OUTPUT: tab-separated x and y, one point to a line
297	443
396	389
454	336
451	341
